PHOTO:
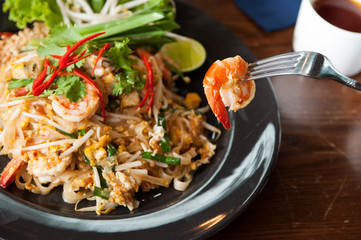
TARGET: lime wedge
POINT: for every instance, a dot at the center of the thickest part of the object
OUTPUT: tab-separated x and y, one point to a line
187	53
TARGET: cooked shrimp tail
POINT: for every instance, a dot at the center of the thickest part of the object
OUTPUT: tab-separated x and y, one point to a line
10	171
219	109
224	86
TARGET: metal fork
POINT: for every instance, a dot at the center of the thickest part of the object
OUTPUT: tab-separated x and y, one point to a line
309	64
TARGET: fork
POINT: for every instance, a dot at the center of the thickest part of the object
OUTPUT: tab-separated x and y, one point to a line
304	63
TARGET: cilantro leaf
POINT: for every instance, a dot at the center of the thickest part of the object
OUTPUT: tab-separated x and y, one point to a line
128	78
126	81
119	55
73	88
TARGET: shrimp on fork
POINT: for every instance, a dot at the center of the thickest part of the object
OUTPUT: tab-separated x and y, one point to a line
224	85
75	112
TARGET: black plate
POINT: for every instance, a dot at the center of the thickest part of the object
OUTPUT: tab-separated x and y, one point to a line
219	192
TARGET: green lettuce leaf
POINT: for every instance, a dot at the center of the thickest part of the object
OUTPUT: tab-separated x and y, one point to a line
24	12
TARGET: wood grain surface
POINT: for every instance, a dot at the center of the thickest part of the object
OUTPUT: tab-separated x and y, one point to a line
315	190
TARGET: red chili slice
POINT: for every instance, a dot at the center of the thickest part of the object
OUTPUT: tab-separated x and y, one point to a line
148	85
90	81
105	47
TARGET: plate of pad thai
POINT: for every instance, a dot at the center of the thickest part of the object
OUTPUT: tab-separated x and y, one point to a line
106	124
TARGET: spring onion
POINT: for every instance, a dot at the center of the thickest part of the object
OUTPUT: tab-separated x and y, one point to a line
86	159
164	144
101	192
103	182
161	158
122	25
174	69
111	150
81	132
72	135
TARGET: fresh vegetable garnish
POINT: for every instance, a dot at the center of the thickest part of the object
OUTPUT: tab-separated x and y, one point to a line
103	193
149	90
40	78
123	25
64	61
147	27
164	144
6	34
161	158
103	182
18	83
72	135
86	159
105	47
129	78
174	69
187	53
89	81
111	150
97	5
24	12
71	86
102	190
81	132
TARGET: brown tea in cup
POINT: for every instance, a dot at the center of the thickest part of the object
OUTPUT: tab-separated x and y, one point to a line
345	14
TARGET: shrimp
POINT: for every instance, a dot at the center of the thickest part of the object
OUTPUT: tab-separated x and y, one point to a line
10	171
224	85
75	112
46	164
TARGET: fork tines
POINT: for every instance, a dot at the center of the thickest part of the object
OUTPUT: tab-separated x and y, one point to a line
273	66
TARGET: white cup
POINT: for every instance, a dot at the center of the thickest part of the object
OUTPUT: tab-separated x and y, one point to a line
313	33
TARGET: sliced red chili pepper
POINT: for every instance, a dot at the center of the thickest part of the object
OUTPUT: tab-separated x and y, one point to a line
144	99
150	101
40	78
78	59
6	34
65	58
41	88
55	56
52	66
105	47
148	85
90	81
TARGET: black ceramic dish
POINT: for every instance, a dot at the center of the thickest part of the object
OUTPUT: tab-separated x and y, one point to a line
219	192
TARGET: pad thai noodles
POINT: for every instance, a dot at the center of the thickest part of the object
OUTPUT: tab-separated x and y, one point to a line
101	126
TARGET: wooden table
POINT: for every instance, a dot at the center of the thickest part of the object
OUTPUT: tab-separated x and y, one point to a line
315	190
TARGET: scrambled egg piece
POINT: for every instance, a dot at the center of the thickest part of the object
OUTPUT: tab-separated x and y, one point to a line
18	71
192	100
96	151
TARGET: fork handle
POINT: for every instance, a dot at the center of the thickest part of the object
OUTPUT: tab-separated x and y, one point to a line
345	80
